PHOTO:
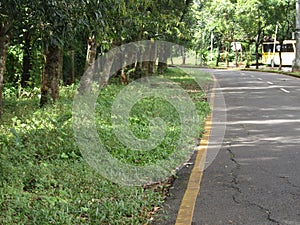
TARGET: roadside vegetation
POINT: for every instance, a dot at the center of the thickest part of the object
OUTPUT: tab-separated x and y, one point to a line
45	180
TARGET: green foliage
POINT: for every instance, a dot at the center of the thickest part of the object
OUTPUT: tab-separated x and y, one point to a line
249	22
14	64
141	114
43	177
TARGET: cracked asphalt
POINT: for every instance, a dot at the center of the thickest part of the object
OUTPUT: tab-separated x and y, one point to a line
255	178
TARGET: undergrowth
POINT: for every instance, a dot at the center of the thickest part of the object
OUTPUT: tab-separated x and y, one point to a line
43	176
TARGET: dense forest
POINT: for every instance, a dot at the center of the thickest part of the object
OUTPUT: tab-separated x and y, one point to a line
46	47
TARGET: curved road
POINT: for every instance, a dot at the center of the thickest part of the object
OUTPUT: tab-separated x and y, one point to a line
255	178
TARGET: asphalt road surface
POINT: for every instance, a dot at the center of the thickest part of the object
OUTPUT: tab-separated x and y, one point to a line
255	177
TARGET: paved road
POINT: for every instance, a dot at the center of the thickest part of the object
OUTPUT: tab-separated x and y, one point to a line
255	178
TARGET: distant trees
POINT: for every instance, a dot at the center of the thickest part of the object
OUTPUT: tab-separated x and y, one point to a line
247	21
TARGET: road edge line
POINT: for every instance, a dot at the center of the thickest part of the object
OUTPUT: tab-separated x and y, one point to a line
187	206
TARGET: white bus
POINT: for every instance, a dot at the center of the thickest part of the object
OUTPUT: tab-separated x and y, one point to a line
288	53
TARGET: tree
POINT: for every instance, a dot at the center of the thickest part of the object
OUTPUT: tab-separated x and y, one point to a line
222	23
55	25
296	66
8	14
257	19
286	22
247	21
177	25
25	32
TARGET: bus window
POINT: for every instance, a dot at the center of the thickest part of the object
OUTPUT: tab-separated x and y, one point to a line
268	47
287	48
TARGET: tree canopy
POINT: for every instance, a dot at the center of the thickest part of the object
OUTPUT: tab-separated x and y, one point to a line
65	34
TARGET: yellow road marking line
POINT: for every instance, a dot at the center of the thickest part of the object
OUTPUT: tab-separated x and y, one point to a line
187	207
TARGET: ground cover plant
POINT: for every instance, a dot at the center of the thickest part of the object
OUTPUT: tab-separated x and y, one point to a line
43	176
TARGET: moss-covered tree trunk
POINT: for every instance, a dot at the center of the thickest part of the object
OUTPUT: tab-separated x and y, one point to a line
51	75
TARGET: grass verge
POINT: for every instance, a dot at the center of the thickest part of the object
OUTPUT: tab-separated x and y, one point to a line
45	180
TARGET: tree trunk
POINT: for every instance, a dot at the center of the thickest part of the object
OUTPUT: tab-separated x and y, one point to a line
236	54
256	54
91	52
227	55
87	79
162	67
4	43
138	70
152	65
236	59
183	55
69	67
72	69
257	43
280	61
219	55
127	69
51	75
153	55
163	60
241	55
124	77
280	56
145	68
110	64
26	59
171	58
218	59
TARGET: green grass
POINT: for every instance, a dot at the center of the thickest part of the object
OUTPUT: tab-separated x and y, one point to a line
45	180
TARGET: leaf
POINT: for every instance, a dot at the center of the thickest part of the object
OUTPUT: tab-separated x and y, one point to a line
84	209
14	132
64	156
